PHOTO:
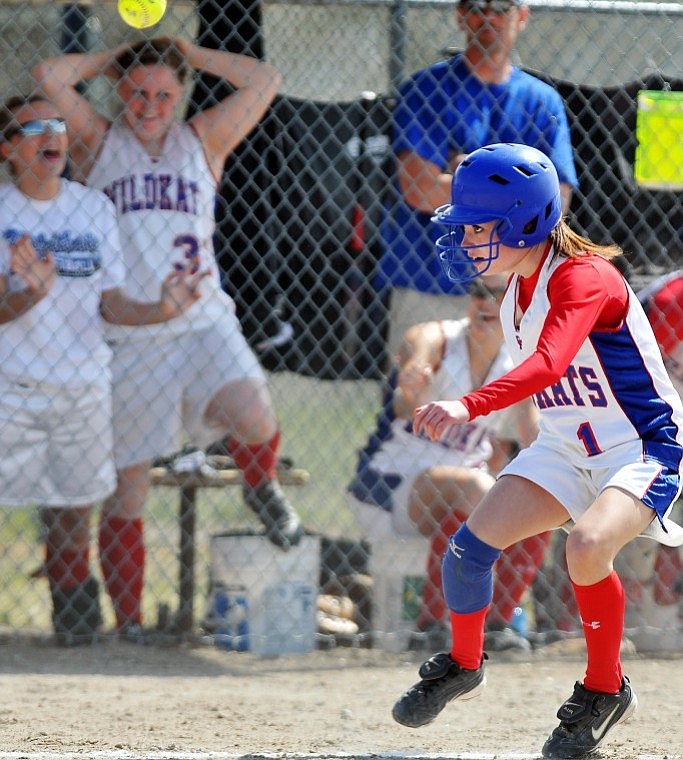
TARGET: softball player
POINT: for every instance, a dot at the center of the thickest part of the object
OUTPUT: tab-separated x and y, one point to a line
406	485
60	268
607	458
196	374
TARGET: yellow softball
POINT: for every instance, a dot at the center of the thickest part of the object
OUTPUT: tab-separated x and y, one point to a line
142	13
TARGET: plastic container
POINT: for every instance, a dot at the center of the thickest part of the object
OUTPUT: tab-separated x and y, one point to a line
267	596
398	572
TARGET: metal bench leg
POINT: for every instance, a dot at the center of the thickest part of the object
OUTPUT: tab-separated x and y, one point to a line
188	508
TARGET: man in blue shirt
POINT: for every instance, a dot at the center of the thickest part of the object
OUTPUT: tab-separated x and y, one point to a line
442	113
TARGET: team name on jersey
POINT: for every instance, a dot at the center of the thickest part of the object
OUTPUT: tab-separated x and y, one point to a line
579	386
75	255
161	192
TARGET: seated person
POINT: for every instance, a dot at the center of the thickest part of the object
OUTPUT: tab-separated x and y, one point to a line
407	485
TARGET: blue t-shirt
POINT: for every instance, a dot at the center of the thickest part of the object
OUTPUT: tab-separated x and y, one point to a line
444	110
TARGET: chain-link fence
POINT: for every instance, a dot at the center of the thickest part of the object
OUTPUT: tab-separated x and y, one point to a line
299	237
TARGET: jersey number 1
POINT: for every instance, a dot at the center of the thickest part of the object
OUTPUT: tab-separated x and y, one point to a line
587	437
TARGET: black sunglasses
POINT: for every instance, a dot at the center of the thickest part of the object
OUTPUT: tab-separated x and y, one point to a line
37	128
499	7
479	290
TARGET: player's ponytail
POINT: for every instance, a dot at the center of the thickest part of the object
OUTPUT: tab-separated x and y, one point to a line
570	244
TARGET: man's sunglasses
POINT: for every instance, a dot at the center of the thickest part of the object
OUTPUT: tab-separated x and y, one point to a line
479	290
37	128
493	6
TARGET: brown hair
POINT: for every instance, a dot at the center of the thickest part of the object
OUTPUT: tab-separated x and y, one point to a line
156	52
9	108
571	245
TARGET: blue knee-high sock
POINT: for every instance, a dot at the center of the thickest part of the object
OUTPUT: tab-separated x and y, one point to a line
467	572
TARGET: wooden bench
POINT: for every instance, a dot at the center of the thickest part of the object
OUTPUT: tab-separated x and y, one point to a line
221	473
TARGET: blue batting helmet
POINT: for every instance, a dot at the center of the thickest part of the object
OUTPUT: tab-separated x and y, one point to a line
513	185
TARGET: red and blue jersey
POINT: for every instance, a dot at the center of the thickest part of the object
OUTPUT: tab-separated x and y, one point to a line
585	351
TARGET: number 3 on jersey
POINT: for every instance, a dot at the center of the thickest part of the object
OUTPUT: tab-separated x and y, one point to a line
190	246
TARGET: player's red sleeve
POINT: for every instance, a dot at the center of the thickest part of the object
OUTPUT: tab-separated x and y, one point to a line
586	294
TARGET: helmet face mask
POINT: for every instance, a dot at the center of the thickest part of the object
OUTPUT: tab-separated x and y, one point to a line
513	185
458	260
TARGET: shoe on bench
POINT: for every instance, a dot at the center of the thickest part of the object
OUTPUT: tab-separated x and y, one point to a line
443	680
586	718
281	522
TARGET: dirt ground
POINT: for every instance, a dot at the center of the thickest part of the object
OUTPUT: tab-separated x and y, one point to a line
118	696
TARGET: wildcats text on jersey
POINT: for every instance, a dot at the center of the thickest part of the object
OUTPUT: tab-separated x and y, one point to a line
583	385
162	192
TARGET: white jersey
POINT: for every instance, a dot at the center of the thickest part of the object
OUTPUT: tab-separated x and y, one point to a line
394	453
60	340
615	402
165	208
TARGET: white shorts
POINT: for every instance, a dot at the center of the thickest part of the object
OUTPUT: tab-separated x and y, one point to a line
576	488
56	445
162	386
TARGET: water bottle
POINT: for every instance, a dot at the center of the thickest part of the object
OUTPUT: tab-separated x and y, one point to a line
519	622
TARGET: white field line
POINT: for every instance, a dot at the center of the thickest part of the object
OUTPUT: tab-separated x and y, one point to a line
159	755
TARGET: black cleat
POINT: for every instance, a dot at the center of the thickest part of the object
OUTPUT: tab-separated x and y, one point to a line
76	614
443	680
281	522
586	718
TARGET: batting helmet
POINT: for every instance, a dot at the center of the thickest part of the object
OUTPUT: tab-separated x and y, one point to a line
513	185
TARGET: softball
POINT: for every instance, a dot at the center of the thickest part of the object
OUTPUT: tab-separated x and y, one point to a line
142	13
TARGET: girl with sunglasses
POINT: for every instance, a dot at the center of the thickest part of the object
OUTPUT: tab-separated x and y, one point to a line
61	269
606	463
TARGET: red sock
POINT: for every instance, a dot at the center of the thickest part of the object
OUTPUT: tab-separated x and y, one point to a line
468	638
433	607
514	573
668	573
258	462
602	607
122	557
66	568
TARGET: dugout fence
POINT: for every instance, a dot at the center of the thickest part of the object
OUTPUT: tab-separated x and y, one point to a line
298	239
